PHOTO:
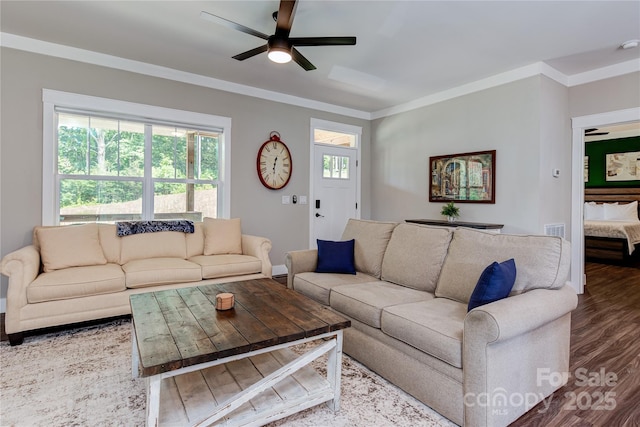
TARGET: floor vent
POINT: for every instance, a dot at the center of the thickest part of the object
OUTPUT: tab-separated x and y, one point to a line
554	230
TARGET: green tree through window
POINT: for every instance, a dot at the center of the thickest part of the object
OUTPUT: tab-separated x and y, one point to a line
101	170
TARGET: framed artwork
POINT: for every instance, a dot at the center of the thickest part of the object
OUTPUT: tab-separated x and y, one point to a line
623	166
586	168
466	177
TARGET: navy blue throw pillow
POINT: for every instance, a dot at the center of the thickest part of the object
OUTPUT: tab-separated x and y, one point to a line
495	283
336	257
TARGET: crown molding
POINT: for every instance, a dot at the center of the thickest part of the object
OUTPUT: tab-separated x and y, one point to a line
605	72
487	83
540	68
81	55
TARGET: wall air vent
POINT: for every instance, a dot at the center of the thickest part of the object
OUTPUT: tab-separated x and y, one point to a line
554	230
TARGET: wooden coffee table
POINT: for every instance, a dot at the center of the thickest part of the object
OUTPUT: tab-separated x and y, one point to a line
233	367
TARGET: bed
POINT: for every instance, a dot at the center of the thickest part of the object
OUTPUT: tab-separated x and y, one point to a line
612	241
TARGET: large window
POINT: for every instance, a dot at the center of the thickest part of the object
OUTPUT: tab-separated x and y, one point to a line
112	165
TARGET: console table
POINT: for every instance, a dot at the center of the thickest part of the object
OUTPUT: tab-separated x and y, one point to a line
443	223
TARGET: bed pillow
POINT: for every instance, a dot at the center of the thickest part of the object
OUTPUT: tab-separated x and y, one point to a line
495	283
70	246
336	257
593	211
625	212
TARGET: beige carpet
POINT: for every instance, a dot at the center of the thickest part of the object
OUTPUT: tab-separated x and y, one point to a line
82	377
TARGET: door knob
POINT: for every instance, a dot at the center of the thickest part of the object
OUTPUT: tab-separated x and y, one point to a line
319	216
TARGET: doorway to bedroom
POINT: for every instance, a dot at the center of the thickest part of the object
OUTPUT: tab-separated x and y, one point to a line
611	195
582	173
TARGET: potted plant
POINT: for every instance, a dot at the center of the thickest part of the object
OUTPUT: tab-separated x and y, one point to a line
451	211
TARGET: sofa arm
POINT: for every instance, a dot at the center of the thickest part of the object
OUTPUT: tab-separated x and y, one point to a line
518	314
21	267
508	346
300	262
258	247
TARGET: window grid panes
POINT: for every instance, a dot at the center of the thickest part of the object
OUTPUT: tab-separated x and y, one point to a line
101	170
335	167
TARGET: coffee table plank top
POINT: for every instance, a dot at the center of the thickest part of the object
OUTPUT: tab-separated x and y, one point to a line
254	331
284	319
309	306
222	334
189	337
152	329
179	328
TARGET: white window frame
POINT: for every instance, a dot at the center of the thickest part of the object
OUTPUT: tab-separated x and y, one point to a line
52	99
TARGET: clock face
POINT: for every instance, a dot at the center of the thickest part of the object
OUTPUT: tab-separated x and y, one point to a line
274	164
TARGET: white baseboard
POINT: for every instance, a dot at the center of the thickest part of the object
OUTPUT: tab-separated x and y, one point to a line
278	270
3	305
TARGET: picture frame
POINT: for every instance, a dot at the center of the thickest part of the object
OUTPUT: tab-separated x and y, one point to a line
586	168
464	178
622	166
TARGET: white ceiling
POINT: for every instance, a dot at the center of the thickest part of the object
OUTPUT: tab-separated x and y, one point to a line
405	50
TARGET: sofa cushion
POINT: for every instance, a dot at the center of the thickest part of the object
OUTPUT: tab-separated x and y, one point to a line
318	286
140	273
365	301
335	257
414	256
70	246
110	242
543	262
222	236
163	244
495	283
434	326
195	240
214	266
371	239
75	282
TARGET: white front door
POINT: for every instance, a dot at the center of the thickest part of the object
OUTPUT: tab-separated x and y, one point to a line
334	198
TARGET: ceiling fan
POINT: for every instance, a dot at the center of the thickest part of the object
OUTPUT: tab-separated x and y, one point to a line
592	132
281	47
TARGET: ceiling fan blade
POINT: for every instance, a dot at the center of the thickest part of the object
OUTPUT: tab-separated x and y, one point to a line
301	60
285	17
248	54
592	132
233	25
323	41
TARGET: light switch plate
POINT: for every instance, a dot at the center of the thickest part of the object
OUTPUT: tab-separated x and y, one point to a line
286	200
302	200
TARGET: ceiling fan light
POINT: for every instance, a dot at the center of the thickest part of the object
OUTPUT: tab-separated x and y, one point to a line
279	50
281	56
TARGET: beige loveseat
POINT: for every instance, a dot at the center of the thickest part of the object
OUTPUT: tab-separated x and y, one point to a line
408	309
78	273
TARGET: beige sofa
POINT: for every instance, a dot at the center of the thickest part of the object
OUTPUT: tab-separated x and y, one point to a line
408	308
78	273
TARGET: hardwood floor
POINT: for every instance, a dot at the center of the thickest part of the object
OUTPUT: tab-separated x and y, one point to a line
605	346
605	337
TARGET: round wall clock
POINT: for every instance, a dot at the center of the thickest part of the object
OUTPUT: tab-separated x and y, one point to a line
274	163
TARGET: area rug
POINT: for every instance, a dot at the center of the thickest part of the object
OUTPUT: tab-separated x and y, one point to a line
82	377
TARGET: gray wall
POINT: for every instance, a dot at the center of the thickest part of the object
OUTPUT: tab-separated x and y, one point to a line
617	93
527	122
24	75
513	119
